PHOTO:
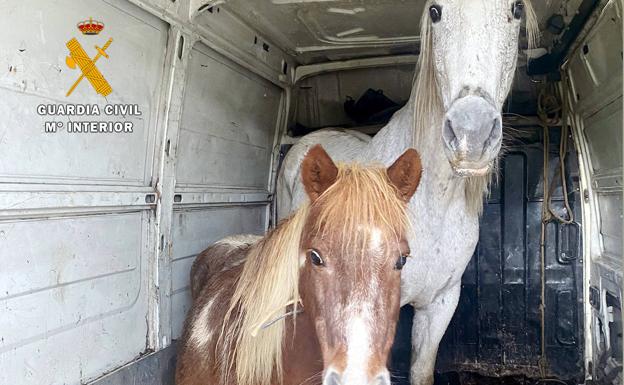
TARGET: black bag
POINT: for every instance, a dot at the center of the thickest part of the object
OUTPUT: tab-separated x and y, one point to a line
372	107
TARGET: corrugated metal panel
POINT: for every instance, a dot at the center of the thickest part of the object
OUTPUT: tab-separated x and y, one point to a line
228	125
224	160
36	57
193	231
75	248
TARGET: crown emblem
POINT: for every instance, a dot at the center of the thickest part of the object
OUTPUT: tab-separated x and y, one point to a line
90	27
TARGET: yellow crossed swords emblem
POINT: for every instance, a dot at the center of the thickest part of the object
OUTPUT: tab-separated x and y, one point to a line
78	56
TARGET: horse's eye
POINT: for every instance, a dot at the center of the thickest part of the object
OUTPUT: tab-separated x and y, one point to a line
517	9
401	262
315	258
435	11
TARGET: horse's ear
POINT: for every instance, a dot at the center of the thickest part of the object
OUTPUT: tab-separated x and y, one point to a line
318	172
405	173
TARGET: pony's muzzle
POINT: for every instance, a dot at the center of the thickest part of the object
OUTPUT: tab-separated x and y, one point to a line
472	135
332	377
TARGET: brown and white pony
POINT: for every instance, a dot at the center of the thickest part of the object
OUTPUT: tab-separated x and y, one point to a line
332	269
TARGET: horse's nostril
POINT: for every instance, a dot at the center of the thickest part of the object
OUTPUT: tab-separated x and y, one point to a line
449	133
497	130
496	124
494	137
449	127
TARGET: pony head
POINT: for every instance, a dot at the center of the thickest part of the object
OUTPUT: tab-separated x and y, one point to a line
340	255
468	60
353	247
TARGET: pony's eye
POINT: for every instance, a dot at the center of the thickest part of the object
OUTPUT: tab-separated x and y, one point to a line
517	9
435	11
401	261
315	258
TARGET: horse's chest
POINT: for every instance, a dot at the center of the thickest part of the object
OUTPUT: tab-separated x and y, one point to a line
441	245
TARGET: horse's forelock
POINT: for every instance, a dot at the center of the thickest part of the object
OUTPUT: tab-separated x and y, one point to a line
363	197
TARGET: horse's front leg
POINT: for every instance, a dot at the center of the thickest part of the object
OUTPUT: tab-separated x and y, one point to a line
430	323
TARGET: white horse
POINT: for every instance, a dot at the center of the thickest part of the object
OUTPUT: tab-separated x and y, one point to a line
468	57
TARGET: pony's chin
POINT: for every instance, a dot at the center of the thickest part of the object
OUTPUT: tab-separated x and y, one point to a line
466	170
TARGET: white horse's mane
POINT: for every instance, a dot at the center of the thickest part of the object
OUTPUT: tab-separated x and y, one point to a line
428	107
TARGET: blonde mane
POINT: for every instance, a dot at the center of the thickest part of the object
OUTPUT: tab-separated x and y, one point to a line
428	107
269	283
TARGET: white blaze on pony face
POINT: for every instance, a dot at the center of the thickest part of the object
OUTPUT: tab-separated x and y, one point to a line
357	313
474	48
358	349
358	354
375	239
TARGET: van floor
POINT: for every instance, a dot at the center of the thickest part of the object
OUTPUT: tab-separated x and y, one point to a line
495	335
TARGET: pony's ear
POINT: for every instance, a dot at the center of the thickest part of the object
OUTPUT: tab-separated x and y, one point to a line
318	172
405	173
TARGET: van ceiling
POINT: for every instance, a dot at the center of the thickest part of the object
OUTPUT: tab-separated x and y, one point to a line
326	30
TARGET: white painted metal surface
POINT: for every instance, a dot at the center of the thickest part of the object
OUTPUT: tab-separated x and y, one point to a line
94	259
224	157
229	118
594	89
321	30
75	250
195	229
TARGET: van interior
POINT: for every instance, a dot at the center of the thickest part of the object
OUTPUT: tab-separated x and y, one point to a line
98	231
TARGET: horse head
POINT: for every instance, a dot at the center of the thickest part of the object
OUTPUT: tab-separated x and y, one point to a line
353	248
468	60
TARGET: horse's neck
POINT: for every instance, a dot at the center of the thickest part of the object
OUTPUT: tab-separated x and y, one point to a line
438	181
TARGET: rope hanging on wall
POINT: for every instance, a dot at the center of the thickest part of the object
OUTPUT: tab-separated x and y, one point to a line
551	111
